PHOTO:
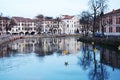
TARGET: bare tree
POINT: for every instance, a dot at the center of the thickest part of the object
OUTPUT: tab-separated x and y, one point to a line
98	8
12	23
94	5
39	21
103	7
85	20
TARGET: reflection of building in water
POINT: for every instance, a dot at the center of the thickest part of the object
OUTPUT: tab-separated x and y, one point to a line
110	58
50	45
24	45
71	45
4	50
44	46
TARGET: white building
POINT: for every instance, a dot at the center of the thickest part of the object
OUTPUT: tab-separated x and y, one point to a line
52	26
62	25
71	24
24	26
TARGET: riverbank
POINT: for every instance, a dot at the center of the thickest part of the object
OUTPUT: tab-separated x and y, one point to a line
114	42
8	38
51	36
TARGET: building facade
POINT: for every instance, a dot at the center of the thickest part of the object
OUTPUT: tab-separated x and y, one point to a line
64	24
52	26
47	26
111	21
24	26
71	24
4	25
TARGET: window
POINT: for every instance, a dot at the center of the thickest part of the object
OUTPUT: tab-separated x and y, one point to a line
110	20
118	20
110	29
22	24
72	25
67	25
104	29
117	29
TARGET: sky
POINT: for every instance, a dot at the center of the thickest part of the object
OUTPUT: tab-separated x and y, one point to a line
53	8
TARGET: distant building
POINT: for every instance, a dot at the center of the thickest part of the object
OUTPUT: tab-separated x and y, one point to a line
24	26
58	26
111	21
4	25
71	24
51	26
47	25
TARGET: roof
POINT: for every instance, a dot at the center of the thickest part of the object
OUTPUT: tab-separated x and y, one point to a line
113	12
67	17
4	18
22	19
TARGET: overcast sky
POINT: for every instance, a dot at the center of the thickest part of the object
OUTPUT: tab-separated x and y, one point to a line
31	8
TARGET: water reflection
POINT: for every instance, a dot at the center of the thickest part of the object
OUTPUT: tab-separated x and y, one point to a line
5	50
47	46
110	58
95	59
94	62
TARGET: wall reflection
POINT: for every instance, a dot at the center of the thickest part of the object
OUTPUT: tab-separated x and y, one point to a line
42	46
62	46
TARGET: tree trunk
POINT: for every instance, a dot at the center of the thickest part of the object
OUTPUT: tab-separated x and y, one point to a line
102	25
94	23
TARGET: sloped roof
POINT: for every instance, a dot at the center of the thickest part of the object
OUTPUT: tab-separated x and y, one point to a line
113	12
22	19
4	18
67	17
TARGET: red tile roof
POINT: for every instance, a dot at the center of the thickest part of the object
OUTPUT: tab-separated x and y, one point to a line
22	19
4	18
113	12
67	17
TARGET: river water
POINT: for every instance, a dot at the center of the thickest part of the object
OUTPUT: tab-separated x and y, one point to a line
58	59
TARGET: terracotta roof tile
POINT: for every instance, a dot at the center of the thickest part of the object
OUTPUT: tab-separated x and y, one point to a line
67	17
113	12
22	19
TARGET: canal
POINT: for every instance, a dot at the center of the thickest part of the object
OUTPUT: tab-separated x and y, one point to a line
58	59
